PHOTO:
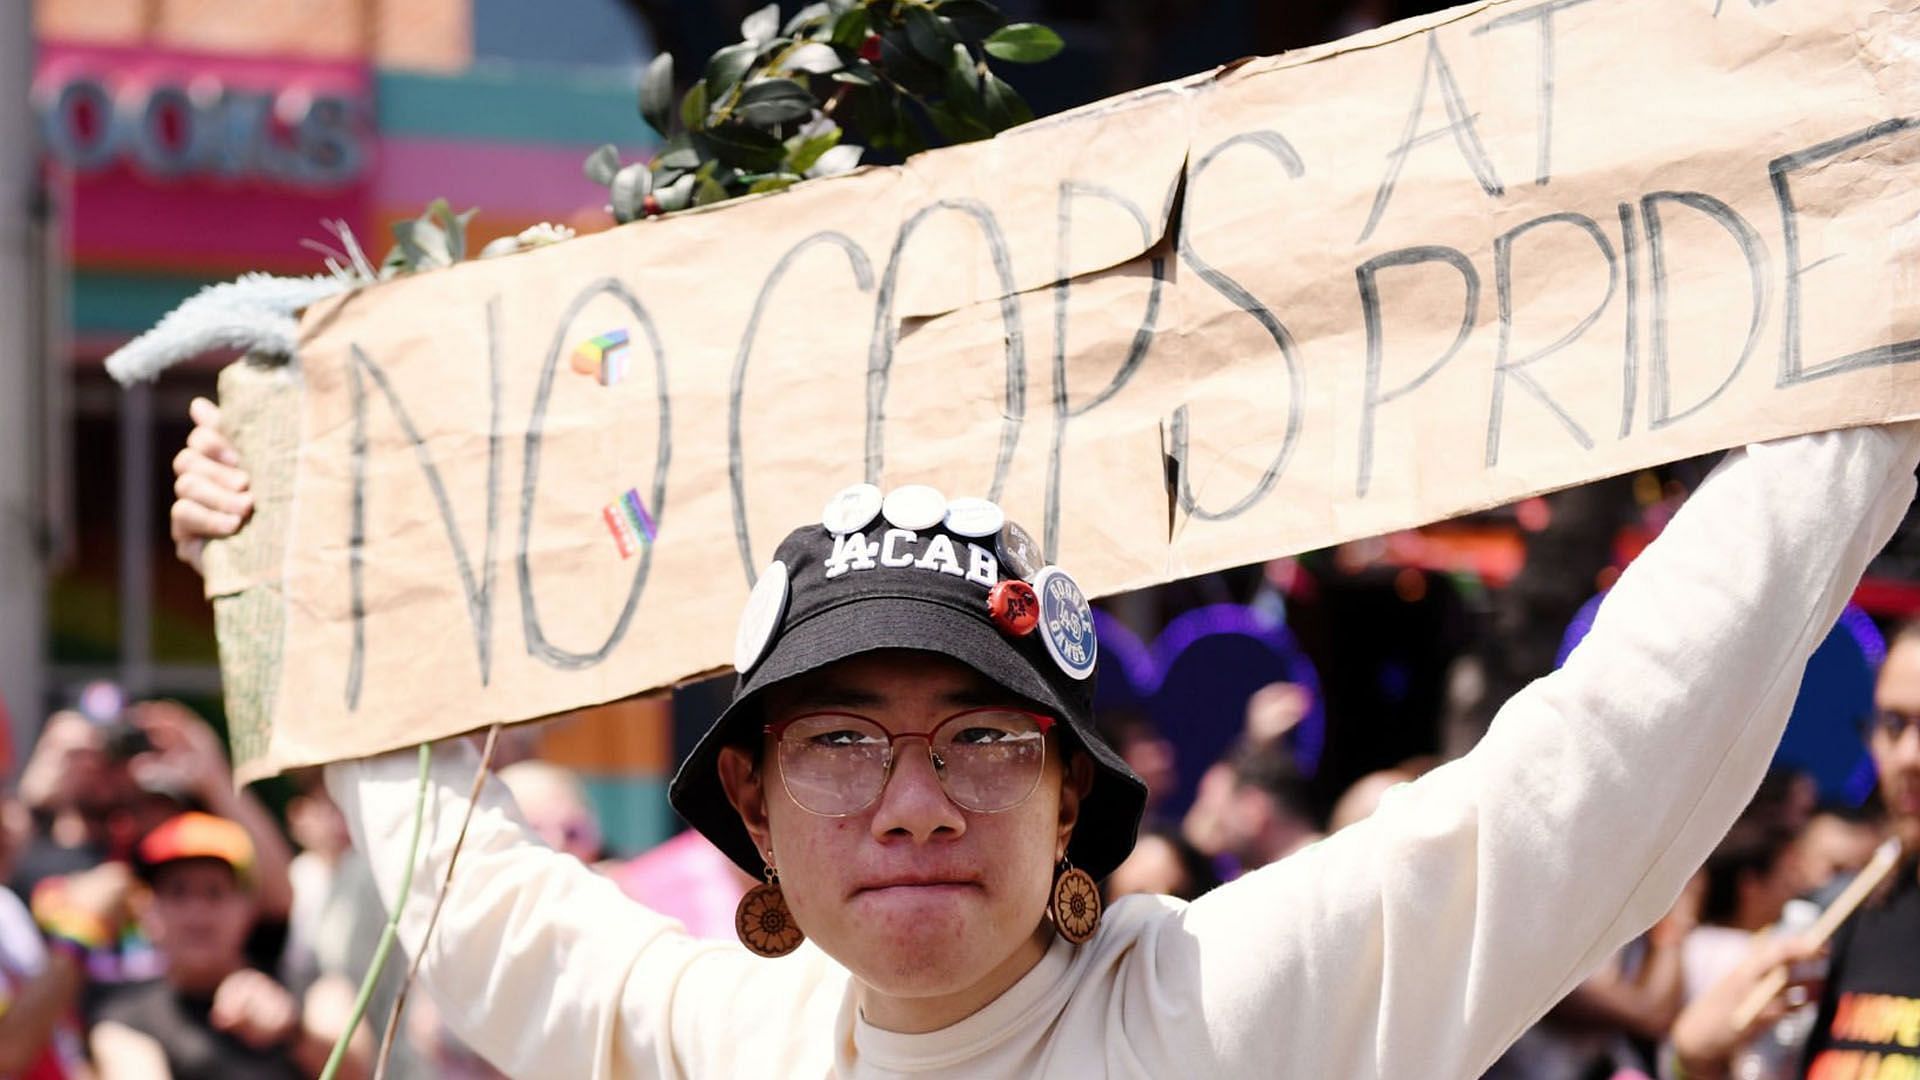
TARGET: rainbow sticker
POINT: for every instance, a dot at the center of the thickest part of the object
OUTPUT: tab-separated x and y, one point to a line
628	521
603	357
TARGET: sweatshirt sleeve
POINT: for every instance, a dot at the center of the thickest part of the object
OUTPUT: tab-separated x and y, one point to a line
1423	940
541	965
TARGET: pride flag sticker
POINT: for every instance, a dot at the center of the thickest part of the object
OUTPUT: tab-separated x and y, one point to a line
603	357
627	519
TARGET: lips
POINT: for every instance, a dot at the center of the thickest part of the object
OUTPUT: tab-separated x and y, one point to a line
912	882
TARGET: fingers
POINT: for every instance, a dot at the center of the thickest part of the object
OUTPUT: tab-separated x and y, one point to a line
254	1008
198	487
204	413
190	552
211	496
194	522
215	447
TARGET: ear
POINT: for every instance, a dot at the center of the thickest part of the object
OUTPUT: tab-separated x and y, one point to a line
741	779
1076	781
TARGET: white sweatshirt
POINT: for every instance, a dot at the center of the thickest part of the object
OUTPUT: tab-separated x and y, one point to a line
1418	943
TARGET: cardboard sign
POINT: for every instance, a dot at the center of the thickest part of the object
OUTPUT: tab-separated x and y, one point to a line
1433	268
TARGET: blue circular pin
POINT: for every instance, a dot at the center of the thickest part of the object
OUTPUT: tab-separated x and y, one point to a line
1066	622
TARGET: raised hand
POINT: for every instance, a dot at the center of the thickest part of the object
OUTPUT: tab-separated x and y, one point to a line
211	496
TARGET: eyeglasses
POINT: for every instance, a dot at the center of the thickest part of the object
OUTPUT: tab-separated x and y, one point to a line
835	764
1892	723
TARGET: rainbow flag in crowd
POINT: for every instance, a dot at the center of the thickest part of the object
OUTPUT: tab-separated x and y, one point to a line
628	520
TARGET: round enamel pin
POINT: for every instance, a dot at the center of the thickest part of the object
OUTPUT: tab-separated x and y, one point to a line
1066	622
1019	554
914	507
974	518
766	606
1013	607
852	510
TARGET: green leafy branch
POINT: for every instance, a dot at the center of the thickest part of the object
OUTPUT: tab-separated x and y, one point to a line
777	107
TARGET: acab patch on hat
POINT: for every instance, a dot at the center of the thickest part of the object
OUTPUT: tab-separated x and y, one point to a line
766	607
1066	622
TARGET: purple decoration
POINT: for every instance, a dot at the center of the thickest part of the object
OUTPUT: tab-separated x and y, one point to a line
1125	660
1193	714
1310	737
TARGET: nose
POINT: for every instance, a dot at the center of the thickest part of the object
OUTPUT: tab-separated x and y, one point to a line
913	805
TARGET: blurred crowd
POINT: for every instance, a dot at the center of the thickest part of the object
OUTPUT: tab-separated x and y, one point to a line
157	922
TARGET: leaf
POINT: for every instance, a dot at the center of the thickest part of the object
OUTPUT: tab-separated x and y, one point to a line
707	190
928	37
858	73
806	19
693	106
814	58
963	85
770	102
679	153
850	28
842	158
906	66
972	20
956	126
1005	108
422	245
677	195
744	147
841	7
804	150
772	183
908	139
656	93
1024	43
602	164
726	68
629	192
760	26
457	233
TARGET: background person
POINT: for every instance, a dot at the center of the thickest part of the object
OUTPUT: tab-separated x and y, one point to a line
1870	1009
41	979
209	1016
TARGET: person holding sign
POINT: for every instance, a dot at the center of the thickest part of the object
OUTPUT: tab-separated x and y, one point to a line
909	764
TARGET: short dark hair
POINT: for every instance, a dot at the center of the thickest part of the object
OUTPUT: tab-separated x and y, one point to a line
1268	768
1753	846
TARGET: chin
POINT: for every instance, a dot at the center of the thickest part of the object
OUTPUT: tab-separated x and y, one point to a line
920	949
922	970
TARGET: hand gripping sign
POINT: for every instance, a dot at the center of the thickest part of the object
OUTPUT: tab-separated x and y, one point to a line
1440	266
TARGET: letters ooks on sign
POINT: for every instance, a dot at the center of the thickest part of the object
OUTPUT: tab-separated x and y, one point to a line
171	131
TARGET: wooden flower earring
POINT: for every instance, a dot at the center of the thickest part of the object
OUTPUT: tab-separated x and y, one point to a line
1076	903
762	920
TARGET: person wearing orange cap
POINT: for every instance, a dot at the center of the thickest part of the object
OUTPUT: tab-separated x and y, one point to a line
209	1015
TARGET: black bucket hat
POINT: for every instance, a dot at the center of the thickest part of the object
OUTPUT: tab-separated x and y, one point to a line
915	571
